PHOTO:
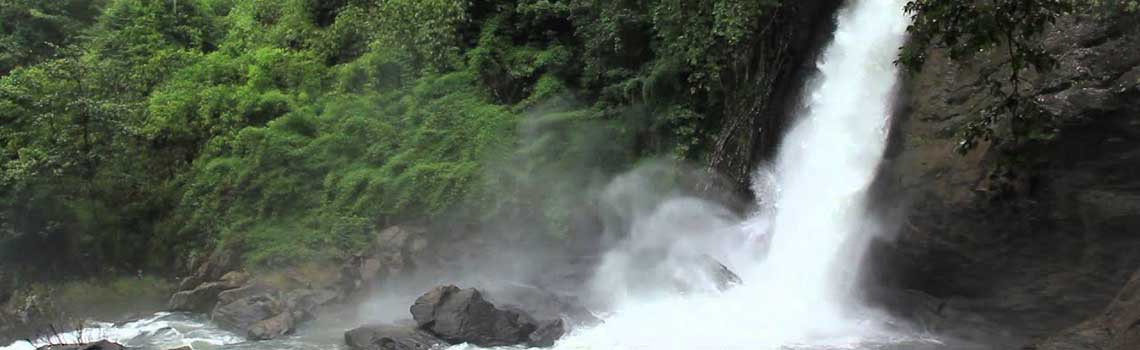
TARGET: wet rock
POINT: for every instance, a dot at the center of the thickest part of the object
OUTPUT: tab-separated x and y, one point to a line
546	334
463	316
200	299
273	327
241	315
722	275
391	337
543	304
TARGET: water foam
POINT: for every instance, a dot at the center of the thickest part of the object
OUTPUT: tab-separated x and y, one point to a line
814	220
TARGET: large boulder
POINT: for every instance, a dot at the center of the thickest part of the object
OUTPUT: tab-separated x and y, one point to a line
464	316
241	315
391	337
218	264
200	299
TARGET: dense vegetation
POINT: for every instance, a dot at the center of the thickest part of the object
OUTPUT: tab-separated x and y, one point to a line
139	132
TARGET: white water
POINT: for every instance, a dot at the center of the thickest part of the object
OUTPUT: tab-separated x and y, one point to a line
798	294
795	292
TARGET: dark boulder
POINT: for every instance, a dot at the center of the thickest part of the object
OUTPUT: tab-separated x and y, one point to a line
390	337
464	316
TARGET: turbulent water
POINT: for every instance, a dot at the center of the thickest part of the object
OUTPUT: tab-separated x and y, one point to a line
796	255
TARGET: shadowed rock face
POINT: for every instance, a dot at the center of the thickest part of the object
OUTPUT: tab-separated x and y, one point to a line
1038	250
1114	329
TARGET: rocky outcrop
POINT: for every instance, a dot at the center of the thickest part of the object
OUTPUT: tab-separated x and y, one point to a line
1039	247
395	251
1117	328
391	337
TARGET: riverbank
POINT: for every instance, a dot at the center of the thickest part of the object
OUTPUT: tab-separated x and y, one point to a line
37	308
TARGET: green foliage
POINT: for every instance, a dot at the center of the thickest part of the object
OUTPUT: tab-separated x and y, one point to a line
137	131
32	30
964	28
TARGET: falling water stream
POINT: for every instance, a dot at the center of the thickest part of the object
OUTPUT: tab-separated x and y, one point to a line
796	292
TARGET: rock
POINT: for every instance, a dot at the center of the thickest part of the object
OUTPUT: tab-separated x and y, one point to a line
273	327
214	267
99	345
543	304
722	275
1114	329
303	303
389	337
234	279
241	315
463	316
546	334
394	252
248	290
200	299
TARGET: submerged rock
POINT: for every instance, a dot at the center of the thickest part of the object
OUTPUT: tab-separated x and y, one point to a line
391	337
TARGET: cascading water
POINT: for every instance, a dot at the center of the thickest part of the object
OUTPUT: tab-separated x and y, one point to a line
796	295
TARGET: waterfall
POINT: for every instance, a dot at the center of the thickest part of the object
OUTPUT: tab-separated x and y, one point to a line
813	217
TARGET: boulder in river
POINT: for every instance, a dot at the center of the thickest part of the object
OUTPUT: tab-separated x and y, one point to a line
241	315
464	316
391	337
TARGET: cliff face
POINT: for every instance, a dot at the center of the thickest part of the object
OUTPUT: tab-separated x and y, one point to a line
1052	244
756	111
